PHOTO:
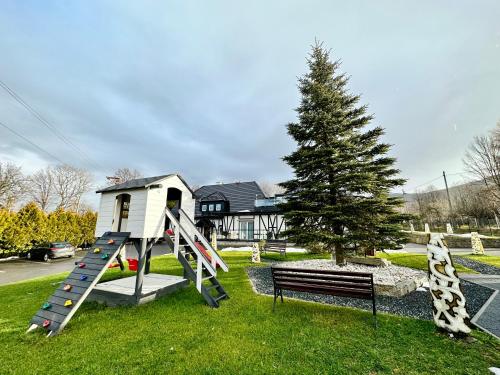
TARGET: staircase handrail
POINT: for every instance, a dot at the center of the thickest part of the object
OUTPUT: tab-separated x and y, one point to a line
191	243
215	255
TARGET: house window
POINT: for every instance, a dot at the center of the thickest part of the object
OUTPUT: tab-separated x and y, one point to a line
218	207
246	230
210	207
203	208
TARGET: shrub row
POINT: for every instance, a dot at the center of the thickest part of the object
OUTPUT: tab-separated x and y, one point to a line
30	226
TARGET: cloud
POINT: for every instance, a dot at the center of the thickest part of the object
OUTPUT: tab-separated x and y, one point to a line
206	88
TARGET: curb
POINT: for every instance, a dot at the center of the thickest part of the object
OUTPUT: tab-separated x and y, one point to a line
481	311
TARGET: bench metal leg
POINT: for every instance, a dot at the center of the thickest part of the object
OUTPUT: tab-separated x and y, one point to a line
374	313
281	294
274	301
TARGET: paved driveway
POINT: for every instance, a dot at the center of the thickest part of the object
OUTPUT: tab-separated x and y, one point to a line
22	269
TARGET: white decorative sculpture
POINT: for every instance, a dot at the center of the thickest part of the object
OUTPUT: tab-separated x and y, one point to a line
448	300
477	245
214	239
412	228
426	228
449	228
255	253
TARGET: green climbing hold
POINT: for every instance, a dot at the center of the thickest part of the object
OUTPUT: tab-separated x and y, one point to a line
46	306
105	256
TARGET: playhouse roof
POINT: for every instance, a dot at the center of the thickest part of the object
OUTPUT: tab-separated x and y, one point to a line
140	183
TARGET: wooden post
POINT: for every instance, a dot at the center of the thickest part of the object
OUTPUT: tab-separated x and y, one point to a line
141	246
148	260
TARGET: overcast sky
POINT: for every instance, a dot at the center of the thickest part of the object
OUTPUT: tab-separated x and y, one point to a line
205	88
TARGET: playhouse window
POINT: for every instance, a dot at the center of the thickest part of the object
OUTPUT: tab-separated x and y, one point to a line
204	208
218	207
210	207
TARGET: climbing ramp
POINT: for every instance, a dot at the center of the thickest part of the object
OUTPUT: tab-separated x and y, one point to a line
200	266
56	312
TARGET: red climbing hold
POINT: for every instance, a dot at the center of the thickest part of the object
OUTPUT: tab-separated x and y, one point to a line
46	323
81	265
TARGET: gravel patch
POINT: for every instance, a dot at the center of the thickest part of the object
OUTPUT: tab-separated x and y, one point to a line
390	275
417	304
486	269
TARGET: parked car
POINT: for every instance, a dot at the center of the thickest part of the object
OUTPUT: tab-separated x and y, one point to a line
51	251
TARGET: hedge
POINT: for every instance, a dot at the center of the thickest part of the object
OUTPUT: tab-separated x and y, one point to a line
30	227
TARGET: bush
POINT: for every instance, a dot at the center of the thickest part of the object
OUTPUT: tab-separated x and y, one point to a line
30	227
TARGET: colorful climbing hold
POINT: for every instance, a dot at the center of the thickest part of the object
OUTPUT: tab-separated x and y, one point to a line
67	287
46	323
111	242
97	250
68	303
105	256
83	277
81	265
46	306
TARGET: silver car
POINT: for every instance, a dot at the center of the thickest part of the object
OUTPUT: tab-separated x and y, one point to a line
52	250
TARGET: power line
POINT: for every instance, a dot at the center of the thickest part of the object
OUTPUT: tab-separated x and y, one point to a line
31	143
425	183
45	123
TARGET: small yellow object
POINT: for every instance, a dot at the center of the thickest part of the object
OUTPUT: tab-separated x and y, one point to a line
68	303
97	250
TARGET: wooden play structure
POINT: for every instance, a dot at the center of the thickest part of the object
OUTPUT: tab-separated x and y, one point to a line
137	214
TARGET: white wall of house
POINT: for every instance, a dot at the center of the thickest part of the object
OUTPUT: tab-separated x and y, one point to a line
146	218
157	201
238	225
107	218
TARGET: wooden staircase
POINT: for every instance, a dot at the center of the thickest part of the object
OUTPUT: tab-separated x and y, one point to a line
197	267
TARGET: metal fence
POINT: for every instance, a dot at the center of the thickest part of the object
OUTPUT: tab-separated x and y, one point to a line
485	226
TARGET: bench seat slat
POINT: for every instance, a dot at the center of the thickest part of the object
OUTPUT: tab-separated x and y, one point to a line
346	284
342	292
289	284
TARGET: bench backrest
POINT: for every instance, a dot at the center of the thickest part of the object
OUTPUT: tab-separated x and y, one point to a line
278	245
339	283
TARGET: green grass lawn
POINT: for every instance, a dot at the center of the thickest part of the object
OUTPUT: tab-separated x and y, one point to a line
488	259
179	334
418	261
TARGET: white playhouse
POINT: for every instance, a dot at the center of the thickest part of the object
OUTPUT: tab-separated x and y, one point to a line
138	206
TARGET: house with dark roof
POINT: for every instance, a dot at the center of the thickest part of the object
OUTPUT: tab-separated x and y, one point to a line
238	211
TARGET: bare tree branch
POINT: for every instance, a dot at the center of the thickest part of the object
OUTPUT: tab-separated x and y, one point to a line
70	184
41	187
123	175
12	185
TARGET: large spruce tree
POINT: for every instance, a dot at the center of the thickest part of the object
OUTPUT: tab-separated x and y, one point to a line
339	196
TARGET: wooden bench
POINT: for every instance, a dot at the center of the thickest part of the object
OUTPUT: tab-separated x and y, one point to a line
275	247
336	283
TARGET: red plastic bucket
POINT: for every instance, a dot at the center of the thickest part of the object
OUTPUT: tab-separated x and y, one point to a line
132	264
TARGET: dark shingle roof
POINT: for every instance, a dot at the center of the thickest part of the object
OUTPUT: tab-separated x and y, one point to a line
139	183
241	195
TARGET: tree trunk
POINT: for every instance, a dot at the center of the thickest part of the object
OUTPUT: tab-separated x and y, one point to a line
339	255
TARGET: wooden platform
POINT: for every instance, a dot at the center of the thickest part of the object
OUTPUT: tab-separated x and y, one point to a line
121	291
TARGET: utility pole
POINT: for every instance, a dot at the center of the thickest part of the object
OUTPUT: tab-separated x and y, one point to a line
447	191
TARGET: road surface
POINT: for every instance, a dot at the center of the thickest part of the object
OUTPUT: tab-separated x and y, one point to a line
22	269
